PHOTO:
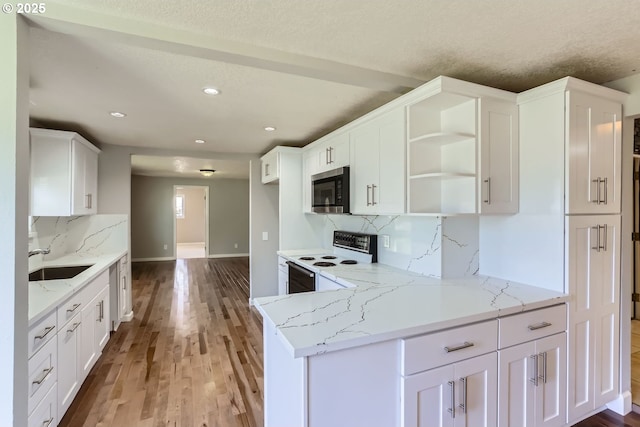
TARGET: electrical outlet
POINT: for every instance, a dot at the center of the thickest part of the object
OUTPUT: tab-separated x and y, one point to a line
385	240
165	247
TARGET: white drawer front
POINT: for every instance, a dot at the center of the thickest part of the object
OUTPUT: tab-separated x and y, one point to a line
45	414
445	347
532	325
76	303
40	333
43	371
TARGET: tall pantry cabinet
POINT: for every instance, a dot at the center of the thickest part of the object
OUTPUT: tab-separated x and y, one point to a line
566	235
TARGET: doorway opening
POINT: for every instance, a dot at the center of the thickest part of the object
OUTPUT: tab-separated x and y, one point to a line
191	221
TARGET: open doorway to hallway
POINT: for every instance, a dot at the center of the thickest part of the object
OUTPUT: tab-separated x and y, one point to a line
191	221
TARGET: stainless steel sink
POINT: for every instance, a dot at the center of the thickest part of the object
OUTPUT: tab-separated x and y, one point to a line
53	273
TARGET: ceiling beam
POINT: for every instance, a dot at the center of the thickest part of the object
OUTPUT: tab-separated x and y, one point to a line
83	23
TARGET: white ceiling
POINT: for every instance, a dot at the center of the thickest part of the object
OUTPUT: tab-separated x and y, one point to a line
303	66
188	167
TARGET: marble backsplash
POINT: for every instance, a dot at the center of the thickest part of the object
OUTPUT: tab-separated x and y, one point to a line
434	246
90	235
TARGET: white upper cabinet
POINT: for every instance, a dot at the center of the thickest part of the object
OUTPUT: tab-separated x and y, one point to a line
462	152
498	157
333	153
594	154
377	165
270	166
64	174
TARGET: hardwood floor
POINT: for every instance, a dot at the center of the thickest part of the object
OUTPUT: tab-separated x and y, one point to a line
192	356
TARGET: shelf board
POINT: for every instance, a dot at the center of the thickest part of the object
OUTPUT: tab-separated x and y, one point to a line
442	138
442	175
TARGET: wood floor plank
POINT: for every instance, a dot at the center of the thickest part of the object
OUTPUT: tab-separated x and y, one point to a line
192	356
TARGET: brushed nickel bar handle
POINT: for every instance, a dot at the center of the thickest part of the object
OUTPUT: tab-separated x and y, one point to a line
534	380
75	307
45	373
604	240
488	199
466	344
75	326
452	410
368	200
539	326
463	405
597	198
45	333
373	194
330	154
47	423
544	367
597	244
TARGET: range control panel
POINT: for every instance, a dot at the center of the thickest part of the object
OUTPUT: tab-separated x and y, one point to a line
366	243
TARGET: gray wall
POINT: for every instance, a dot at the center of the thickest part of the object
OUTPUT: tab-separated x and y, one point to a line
192	228
263	261
152	216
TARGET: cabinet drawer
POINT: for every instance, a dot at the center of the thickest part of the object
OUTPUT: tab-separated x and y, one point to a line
76	303
442	348
43	371
532	325
46	413
40	333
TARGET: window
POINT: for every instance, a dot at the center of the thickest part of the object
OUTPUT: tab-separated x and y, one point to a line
180	206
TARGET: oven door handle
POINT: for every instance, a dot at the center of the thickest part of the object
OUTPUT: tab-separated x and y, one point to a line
301	269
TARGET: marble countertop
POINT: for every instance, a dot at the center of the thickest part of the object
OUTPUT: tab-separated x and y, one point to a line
45	295
389	303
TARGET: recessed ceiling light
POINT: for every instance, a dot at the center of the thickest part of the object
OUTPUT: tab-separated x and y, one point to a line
269	128
118	114
211	91
207	172
199	141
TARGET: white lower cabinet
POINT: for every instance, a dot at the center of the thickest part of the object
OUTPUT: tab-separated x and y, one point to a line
532	389
69	371
46	413
461	394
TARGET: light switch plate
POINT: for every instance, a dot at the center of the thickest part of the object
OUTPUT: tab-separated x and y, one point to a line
385	240
265	235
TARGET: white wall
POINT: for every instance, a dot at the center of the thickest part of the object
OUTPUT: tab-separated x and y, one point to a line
14	193
192	228
263	214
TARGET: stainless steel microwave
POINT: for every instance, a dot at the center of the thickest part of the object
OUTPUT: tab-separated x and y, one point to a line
330	191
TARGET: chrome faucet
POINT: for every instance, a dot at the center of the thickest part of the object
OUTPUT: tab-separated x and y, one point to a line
39	251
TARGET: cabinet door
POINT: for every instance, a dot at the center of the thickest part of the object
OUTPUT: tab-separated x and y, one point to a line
334	153
594	154
87	350
428	398
91	181
269	164
69	381
593	279
124	288
516	391
309	167
477	380
365	164
389	196
102	321
498	157
82	167
551	393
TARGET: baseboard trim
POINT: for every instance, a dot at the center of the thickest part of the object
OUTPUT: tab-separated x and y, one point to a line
160	258
127	317
622	404
227	255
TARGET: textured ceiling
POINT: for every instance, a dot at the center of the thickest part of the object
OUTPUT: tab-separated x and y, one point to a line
296	64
